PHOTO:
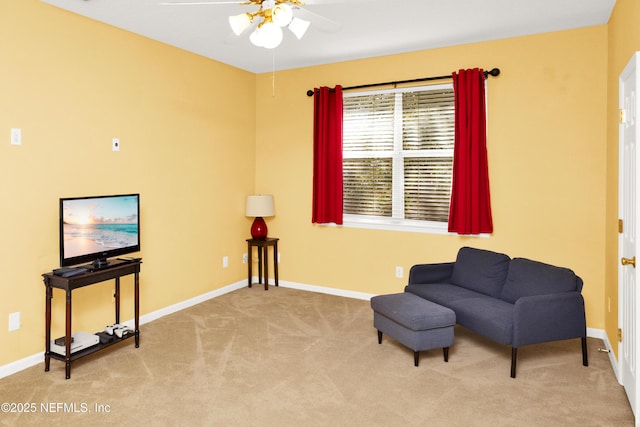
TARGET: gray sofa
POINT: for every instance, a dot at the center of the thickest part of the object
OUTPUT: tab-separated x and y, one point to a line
514	302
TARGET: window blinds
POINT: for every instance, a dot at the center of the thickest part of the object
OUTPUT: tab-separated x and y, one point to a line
398	151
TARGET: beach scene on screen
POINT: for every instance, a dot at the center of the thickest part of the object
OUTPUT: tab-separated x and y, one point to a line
100	224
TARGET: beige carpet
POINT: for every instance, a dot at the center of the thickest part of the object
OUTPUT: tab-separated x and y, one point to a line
287	357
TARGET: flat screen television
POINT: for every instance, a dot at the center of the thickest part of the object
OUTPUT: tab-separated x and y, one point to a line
94	229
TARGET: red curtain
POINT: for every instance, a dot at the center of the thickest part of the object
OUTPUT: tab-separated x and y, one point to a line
470	210
327	156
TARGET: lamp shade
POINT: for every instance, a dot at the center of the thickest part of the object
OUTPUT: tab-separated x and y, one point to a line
260	205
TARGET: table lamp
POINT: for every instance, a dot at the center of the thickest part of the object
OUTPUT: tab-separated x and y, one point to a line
259	206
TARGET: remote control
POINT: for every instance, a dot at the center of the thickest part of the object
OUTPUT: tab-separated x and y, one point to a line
74	272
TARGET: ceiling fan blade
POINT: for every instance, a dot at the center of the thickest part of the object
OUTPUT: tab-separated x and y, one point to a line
318	21
256	2
194	3
321	2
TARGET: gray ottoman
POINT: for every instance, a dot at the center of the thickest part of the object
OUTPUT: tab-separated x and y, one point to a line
414	322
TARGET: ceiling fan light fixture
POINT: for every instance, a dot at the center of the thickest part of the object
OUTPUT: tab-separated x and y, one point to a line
282	14
255	38
299	27
267	35
239	23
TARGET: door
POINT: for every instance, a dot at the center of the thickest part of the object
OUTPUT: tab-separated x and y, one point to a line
628	239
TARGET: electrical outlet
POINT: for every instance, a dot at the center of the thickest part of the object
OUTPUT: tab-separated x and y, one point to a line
245	258
225	261
399	272
14	321
16	136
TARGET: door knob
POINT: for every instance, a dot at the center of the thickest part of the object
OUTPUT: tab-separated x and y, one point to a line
627	261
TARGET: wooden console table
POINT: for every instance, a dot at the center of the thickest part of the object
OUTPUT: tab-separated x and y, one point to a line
115	270
263	247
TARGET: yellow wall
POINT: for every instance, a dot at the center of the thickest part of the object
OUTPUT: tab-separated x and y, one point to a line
547	149
623	40
197	136
187	127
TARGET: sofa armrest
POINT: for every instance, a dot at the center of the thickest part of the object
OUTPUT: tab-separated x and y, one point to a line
430	273
552	317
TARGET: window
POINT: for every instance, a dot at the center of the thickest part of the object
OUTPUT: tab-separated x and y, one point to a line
398	157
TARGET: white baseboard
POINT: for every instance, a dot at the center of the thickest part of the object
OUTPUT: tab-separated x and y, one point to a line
596	333
29	361
19	365
34	359
325	290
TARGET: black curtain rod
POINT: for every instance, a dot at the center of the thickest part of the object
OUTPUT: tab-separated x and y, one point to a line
494	72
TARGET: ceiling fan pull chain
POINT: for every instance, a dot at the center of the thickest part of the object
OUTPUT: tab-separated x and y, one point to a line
273	74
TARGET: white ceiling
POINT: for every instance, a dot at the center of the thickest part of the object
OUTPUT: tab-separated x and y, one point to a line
367	28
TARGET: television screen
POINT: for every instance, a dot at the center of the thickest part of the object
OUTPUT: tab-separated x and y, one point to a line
93	229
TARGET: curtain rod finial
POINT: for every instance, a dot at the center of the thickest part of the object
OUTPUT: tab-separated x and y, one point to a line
494	72
309	92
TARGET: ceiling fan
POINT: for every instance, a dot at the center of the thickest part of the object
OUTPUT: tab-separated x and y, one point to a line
269	19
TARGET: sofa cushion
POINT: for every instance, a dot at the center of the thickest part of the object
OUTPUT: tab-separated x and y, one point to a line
480	270
490	317
527	278
441	293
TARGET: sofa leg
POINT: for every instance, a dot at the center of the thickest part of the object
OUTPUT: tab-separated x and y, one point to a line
514	356
445	351
416	358
585	360
379	336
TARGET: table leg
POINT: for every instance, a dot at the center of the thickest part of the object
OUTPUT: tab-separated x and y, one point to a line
47	327
266	268
116	297
250	261
275	262
260	264
67	338
136	307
